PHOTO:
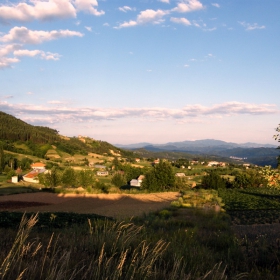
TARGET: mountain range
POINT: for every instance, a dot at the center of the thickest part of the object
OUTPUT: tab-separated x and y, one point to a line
260	154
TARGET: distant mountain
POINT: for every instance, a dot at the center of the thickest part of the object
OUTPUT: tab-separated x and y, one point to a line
196	145
260	154
133	146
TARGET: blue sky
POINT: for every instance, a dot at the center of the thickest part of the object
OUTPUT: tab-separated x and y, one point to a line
153	70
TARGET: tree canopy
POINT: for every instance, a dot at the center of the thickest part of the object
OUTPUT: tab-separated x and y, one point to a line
160	178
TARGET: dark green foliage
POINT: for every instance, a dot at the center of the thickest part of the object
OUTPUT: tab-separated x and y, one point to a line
69	177
213	181
180	162
10	174
51	179
250	198
85	178
15	129
2	160
25	163
160	178
104	188
116	164
248	179
118	180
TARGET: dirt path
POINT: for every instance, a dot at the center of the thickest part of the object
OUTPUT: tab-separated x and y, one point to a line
112	205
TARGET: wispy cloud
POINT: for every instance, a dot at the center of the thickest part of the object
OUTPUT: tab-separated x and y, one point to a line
215	5
251	26
47	10
183	21
88	28
62	113
26	36
164	1
126	9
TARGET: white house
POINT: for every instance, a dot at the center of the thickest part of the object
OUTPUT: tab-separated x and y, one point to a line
32	176
102	173
137	182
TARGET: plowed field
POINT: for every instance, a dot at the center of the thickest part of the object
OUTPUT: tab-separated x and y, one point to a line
111	205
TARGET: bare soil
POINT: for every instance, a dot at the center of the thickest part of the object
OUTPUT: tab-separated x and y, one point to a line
111	205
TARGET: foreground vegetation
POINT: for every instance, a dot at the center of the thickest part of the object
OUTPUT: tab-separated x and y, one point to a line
174	243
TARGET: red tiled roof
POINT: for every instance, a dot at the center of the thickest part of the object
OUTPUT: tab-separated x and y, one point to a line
38	164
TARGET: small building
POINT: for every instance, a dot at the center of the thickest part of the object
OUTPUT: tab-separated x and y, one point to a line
180	174
213	163
32	176
38	165
15	179
137	182
137	159
102	173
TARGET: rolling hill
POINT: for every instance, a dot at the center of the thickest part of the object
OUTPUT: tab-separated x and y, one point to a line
20	137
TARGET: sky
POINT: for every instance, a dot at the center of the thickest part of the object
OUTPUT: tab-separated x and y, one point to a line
152	71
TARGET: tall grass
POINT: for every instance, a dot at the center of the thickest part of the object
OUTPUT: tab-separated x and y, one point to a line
106	250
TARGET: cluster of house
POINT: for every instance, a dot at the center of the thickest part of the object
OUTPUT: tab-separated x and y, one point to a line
32	176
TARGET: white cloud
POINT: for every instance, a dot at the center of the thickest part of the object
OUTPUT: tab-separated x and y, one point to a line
88	6
14	48
216	5
164	1
183	21
126	9
39	53
251	26
29	10
37	10
88	28
5	60
186	6
26	36
62	113
144	17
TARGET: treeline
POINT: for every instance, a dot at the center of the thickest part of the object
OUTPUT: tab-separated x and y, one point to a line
15	129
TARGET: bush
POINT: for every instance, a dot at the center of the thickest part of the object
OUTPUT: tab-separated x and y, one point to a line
213	181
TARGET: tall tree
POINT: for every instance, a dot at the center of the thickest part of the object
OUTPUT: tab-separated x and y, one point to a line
160	178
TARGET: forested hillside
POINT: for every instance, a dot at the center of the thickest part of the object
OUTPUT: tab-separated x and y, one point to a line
20	137
15	129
